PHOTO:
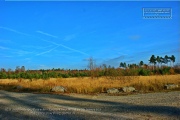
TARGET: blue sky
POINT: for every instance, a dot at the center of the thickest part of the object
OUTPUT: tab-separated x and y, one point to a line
45	35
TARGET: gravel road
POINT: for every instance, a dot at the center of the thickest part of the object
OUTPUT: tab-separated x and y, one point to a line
150	106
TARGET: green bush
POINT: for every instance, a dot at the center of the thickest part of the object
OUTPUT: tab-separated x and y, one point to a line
144	72
165	70
3	75
65	76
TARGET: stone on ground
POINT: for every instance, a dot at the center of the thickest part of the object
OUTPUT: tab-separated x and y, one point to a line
170	86
18	87
112	90
58	89
128	89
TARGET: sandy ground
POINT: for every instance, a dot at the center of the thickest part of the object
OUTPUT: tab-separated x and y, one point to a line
150	106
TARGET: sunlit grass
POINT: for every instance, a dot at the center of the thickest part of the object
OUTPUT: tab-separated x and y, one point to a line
88	85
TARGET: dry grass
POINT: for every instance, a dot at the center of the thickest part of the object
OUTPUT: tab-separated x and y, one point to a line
88	85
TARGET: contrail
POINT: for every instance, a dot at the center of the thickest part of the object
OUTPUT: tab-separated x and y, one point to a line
66	47
60	44
73	49
47	51
47	34
15	31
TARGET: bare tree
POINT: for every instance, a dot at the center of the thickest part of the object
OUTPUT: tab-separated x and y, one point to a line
17	70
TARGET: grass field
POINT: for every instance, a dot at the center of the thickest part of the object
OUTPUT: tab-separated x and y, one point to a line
88	85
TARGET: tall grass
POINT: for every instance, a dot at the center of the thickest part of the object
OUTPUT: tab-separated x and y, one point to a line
88	85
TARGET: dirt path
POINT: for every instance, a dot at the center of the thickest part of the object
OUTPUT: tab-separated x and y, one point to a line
46	106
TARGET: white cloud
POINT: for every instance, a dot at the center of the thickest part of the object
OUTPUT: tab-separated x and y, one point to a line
6	56
43	66
22	52
28	60
5	41
135	37
70	37
4	48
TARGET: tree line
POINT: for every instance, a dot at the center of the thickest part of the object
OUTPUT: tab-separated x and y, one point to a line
158	66
159	61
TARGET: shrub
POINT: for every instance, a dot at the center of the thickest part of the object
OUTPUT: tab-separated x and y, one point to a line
144	72
45	76
3	75
65	76
177	70
171	71
130	72
165	70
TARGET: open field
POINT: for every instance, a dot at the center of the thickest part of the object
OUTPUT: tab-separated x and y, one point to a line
88	85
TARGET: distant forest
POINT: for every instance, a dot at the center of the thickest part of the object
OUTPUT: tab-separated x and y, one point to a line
158	66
